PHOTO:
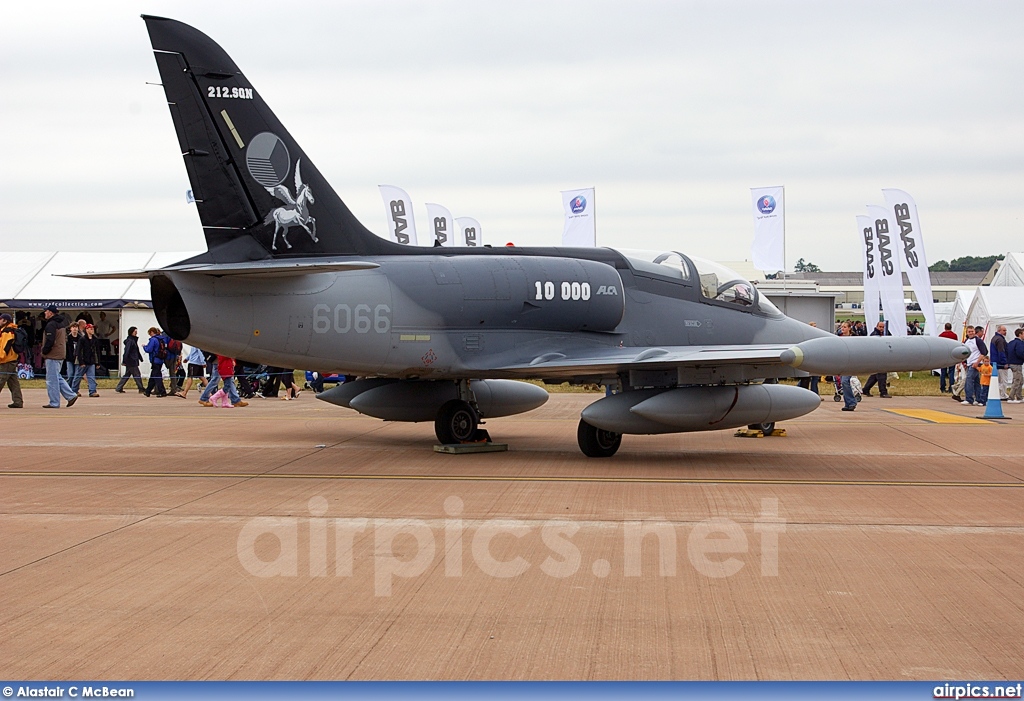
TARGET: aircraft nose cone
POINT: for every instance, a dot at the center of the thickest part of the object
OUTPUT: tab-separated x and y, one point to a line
960	353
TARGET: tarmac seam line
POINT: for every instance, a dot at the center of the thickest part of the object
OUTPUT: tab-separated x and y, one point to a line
242	477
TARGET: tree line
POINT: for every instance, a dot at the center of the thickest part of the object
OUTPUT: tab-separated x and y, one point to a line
964	265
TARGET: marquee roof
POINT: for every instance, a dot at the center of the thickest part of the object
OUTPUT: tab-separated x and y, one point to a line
31	279
1011	271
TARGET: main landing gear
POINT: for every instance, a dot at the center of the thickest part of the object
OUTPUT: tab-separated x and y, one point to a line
596	442
458	420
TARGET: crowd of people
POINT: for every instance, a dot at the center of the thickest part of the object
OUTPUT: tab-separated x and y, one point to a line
196	368
34	325
71	353
859	328
967	382
971	379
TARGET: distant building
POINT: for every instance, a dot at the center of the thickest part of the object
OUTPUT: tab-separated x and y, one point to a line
849	286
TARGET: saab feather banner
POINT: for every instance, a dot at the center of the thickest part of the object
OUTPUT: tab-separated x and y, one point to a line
866	229
469	232
890	282
398	209
903	215
442	225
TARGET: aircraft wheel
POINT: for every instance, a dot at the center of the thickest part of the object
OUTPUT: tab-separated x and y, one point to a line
596	442
766	428
456	422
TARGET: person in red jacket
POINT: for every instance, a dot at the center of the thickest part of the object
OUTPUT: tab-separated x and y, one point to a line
946	375
226	370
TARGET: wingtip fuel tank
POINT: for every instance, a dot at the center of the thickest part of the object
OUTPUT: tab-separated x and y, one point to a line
836	355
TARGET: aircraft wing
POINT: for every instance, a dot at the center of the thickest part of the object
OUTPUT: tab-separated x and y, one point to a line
264	268
613	360
825	355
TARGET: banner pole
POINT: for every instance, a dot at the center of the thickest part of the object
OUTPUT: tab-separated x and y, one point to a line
783	237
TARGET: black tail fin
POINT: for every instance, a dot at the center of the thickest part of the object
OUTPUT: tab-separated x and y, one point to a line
257	192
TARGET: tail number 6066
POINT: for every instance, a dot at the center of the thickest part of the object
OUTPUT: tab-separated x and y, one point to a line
344	318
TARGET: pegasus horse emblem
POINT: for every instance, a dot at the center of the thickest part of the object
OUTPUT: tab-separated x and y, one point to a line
295	211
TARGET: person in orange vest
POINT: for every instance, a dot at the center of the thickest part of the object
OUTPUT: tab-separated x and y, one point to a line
9	361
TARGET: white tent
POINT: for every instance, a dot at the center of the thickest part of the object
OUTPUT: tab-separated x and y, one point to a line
30	281
995	306
1011	271
962	303
943	314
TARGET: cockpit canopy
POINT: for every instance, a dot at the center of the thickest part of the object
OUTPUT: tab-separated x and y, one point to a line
716	282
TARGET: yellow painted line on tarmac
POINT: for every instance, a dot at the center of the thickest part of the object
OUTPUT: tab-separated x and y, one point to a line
938	417
509	478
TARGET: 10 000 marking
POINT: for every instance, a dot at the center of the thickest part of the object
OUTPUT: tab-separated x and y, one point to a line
569	290
345	318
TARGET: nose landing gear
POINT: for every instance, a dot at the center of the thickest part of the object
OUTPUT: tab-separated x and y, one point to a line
596	442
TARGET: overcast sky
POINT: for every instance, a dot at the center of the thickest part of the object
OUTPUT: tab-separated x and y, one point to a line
672	110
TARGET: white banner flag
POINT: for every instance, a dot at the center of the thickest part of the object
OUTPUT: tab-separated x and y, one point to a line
442	225
769	249
398	209
866	229
580	225
890	281
903	214
469	232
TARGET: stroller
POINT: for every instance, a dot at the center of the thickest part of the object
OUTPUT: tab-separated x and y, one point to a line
854	385
249	379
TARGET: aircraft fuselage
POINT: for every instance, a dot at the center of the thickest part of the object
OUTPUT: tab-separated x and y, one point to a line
457	316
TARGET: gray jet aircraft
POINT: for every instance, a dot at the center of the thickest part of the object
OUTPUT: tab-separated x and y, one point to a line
292	279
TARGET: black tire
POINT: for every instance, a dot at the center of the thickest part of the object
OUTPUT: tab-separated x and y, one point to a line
766	428
837	397
596	442
456	422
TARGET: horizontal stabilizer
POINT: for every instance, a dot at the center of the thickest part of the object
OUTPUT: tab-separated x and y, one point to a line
112	275
266	268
